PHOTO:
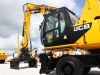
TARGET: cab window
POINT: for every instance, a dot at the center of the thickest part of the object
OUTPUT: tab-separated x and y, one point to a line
74	18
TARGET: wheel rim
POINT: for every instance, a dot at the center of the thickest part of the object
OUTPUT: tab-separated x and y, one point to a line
66	69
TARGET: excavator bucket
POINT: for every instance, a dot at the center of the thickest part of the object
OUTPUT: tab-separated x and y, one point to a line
14	63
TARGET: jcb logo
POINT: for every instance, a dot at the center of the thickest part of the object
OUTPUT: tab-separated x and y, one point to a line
81	27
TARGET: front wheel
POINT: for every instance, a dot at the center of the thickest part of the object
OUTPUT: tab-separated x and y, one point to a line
68	66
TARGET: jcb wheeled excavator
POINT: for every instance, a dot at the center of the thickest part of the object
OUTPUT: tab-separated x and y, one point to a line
62	30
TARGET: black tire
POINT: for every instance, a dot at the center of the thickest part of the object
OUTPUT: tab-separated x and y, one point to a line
2	61
86	70
68	66
32	62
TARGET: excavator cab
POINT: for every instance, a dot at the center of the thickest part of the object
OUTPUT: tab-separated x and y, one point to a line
57	27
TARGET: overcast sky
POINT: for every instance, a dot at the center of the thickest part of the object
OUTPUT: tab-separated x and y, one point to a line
11	20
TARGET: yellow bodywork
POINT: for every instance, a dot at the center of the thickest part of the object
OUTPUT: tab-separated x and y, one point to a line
3	56
90	10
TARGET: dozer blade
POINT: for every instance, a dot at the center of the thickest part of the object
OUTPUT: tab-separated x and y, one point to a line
14	63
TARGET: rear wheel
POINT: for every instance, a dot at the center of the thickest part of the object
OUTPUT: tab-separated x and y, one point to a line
68	66
86	70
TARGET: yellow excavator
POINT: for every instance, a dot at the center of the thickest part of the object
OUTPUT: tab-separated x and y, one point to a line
3	56
62	30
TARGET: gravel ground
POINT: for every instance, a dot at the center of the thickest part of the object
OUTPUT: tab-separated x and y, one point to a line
25	70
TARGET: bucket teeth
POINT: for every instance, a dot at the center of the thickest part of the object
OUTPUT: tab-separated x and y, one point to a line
14	64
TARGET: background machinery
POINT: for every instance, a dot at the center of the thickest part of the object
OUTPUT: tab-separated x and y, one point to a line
62	30
3	56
